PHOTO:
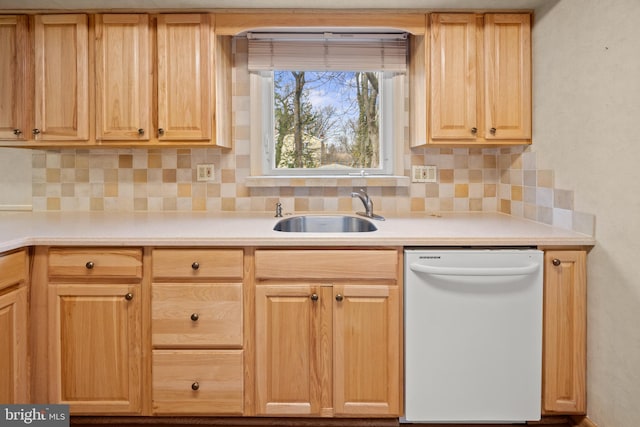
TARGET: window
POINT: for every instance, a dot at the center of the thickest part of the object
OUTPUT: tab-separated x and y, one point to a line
327	104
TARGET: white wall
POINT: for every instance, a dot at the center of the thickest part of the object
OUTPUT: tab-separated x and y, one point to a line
15	179
587	128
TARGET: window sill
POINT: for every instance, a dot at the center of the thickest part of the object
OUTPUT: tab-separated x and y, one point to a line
328	181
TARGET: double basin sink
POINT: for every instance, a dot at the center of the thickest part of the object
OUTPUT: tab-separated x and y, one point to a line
325	224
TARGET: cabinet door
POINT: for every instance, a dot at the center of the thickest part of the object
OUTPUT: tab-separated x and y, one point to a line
453	76
123	77
62	78
507	46
13	342
183	77
15	52
95	358
287	331
366	350
564	366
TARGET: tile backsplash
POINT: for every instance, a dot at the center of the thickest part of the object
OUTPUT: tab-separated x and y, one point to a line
165	180
505	180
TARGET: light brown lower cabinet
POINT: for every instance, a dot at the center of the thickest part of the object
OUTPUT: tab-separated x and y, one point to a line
366	330
328	341
95	330
197	331
96	352
13	328
564	356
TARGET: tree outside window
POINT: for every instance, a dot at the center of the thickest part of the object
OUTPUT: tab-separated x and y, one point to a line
326	119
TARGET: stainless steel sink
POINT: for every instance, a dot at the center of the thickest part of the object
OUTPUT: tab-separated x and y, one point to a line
324	224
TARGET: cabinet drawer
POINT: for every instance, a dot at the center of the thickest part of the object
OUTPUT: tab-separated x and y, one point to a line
326	264
13	268
197	315
95	262
197	263
198	382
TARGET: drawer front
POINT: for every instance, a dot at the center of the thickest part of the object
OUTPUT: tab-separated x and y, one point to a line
198	263
326	264
197	315
13	268
95	262
198	382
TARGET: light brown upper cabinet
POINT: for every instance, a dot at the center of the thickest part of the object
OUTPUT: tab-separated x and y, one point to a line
480	79
184	64
13	45
123	77
189	97
114	80
61	78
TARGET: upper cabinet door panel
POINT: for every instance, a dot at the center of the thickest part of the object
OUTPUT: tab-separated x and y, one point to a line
123	77
508	76
453	76
184	77
61	77
13	45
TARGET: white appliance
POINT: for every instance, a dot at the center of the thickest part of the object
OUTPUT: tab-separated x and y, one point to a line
473	335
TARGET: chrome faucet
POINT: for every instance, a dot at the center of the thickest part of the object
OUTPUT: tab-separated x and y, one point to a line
368	205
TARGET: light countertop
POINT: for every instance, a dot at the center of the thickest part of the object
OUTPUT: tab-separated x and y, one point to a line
18	229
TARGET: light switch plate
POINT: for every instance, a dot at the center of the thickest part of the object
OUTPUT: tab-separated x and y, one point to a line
205	172
424	174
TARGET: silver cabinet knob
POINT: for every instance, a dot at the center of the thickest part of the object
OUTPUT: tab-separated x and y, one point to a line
556	262
195	265
128	296
89	265
314	297
195	317
474	130
17	132
161	132
339	297
140	131
493	131
35	131
195	386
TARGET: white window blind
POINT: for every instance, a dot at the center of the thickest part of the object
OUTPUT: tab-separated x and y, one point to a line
327	52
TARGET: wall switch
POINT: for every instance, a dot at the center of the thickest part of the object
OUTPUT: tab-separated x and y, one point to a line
205	172
424	174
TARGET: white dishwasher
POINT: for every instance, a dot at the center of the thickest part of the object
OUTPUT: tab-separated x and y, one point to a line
473	335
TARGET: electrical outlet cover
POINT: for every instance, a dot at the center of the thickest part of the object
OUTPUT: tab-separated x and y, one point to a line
205	172
424	174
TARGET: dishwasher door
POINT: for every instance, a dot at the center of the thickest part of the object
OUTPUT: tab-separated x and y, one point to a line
473	335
